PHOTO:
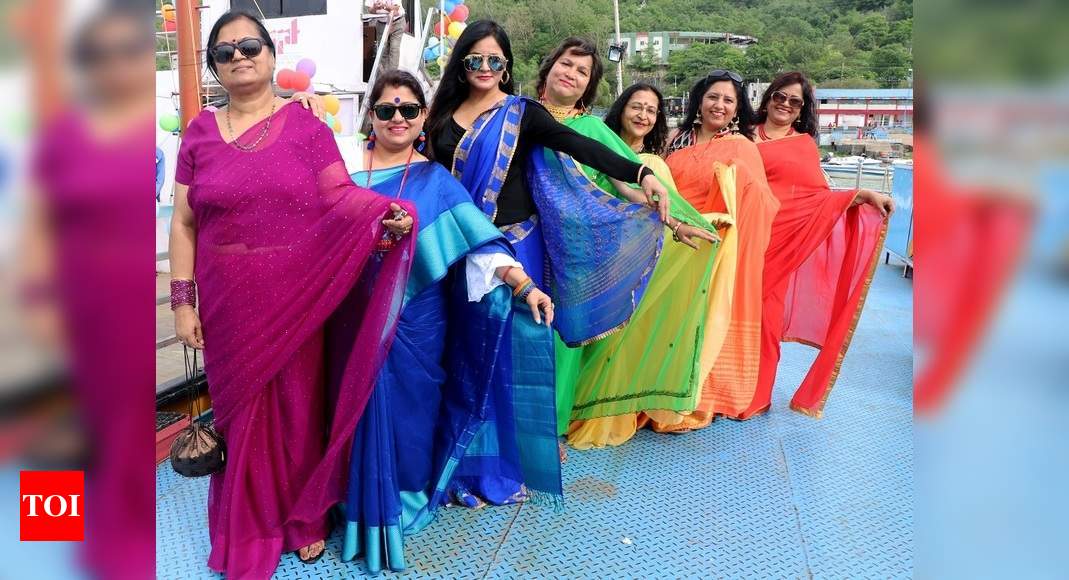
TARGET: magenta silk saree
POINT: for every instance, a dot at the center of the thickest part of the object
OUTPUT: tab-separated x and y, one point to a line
298	312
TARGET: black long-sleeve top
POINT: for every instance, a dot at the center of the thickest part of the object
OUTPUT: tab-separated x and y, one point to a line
537	127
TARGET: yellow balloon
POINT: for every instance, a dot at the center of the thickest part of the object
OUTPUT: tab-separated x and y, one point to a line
455	29
331	104
168	12
442	61
337	125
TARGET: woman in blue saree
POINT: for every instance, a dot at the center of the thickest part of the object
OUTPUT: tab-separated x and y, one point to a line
592	252
402	455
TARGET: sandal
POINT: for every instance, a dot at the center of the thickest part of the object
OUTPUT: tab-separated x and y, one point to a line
313	560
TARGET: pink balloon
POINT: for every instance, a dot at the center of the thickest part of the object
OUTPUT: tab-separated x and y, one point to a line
300	81
307	66
459	14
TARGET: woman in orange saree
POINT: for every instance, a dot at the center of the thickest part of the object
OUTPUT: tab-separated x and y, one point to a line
823	250
718	169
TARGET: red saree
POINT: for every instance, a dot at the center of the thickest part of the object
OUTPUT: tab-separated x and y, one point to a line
820	260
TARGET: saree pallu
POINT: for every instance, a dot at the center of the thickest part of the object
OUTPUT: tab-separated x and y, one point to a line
399	456
593	254
653	362
285	249
726	176
818	267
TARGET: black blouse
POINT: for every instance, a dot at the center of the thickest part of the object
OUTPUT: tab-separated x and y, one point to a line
537	127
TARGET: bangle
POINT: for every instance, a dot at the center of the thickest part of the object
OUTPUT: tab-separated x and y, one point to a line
183	292
522	286
675	231
643	171
505	276
527	291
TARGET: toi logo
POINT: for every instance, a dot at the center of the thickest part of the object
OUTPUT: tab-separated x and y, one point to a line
51	506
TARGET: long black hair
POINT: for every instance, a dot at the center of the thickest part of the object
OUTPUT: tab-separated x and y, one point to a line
807	119
453	89
579	47
227	18
654	141
744	111
396	79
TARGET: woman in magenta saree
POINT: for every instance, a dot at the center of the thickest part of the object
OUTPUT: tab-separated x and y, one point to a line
299	302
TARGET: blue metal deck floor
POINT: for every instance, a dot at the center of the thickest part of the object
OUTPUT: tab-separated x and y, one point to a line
778	496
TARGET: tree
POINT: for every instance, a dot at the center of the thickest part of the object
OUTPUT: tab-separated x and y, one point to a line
890	65
872	33
697	60
764	62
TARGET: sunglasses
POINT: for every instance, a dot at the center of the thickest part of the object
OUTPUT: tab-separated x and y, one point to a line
725	74
224	52
780	97
386	111
474	62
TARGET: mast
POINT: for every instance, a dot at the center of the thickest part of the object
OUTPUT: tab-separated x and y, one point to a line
187	18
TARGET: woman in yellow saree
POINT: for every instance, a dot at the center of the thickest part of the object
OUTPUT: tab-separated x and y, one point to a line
651	363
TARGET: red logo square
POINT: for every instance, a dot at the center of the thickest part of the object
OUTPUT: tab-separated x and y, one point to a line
52	506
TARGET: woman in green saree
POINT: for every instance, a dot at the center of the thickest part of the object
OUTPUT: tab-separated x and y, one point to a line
651	364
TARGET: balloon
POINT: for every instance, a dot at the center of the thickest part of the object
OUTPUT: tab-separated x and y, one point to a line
284	79
438	26
169	26
301	81
170	123
432	52
449	6
329	120
331	104
432	41
456	28
307	66
168	12
459	14
336	125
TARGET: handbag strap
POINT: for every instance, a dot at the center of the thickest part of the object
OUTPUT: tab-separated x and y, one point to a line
191	384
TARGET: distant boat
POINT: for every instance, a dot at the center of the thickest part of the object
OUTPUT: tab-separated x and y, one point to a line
869	166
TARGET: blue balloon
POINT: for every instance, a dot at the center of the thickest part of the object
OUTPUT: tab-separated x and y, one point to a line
432	52
449	6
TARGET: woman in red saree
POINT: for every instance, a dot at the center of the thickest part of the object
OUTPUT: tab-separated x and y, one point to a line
718	170
301	280
822	252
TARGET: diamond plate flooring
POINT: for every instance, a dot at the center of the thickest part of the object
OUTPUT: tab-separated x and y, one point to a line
778	496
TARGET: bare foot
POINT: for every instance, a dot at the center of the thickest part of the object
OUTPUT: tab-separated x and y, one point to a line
312	551
563	452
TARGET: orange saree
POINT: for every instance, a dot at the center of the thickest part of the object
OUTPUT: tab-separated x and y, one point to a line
727	176
820	260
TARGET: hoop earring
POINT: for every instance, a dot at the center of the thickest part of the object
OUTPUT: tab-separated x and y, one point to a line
371	141
422	141
506	78
463	79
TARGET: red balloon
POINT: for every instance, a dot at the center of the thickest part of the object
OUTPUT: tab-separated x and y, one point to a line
438	30
285	79
300	81
170	26
459	14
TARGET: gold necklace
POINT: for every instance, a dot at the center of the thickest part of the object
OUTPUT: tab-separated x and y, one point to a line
263	131
559	113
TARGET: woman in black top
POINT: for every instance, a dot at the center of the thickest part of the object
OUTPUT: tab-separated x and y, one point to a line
591	251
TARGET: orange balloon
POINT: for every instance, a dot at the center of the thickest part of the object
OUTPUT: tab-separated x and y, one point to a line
300	81
168	11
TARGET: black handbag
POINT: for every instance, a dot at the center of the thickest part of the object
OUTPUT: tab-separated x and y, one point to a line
197	450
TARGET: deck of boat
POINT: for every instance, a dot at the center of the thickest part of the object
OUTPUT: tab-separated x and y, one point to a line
778	496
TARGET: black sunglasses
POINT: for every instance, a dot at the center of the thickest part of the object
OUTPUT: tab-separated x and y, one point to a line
780	97
725	74
223	52
386	111
474	62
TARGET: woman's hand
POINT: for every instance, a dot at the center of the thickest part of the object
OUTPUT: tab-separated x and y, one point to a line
187	327
687	234
880	201
656	195
311	101
401	223
541	306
